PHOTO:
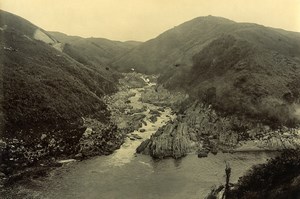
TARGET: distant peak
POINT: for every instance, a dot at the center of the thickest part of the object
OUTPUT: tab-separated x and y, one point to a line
213	18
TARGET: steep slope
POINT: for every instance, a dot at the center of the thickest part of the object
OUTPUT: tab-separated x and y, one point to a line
240	84
249	73
93	51
173	47
176	47
46	96
32	70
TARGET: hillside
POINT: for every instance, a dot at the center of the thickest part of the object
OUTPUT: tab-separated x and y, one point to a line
176	47
173	47
240	68
48	99
241	77
40	83
221	90
93	51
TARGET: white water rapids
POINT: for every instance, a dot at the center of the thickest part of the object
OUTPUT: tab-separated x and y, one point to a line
126	175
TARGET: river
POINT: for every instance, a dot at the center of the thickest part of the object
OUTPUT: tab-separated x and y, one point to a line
125	174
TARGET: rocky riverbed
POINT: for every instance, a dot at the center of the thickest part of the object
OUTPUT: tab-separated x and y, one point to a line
198	128
125	174
35	153
22	161
148	119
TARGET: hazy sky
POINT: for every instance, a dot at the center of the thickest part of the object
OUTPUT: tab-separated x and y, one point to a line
145	19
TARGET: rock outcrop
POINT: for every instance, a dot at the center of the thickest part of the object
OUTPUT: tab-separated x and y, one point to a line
99	139
200	129
160	96
21	158
133	80
169	141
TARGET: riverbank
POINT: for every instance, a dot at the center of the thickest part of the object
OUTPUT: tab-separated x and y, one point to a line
200	129
149	120
34	153
130	119
23	160
278	178
126	176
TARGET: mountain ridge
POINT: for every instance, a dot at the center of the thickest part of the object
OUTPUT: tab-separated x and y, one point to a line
43	85
177	46
241	78
93	51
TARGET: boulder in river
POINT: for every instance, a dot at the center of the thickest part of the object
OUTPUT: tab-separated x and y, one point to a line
136	136
153	118
202	154
154	112
214	151
143	146
169	141
136	121
161	109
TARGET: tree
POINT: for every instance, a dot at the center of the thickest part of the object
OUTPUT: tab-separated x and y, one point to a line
228	173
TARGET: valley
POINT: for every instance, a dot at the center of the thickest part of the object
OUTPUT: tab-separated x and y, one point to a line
135	175
97	118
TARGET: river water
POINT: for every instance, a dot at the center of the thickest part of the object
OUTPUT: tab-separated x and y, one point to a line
125	174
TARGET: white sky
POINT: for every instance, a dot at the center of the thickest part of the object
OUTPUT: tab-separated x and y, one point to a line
145	19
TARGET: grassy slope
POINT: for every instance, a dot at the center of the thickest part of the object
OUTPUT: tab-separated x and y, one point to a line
93	51
42	86
247	79
178	45
175	46
253	71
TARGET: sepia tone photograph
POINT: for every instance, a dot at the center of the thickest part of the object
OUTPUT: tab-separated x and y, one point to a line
150	99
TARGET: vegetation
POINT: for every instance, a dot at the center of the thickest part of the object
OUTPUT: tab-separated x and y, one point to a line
46	97
173	48
227	187
93	51
239	78
278	178
43	87
240	68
